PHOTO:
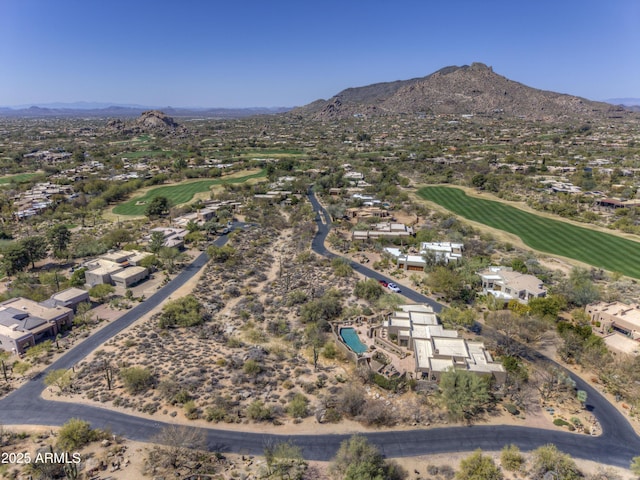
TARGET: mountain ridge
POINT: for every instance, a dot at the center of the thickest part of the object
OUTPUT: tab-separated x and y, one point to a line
469	89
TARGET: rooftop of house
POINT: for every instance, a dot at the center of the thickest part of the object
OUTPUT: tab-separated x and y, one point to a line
128	273
69	294
516	280
35	309
102	267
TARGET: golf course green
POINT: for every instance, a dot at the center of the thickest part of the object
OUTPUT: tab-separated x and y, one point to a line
602	250
177	194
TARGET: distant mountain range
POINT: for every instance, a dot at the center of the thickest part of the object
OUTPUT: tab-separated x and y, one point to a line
472	90
103	110
627	102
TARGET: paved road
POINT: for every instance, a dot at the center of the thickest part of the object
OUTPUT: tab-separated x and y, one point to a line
616	446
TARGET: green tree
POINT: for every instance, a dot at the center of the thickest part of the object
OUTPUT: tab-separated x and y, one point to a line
82	316
77	277
547	459
150	262
36	248
75	434
369	289
158	207
322	309
101	291
478	467
357	459
168	256
156	242
14	258
182	312
59	237
446	281
464	393
117	237
59	378
455	317
221	254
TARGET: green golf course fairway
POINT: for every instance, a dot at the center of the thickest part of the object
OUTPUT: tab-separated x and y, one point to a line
177	194
599	249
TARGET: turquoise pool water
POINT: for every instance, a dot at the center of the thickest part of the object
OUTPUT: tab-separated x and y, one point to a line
350	337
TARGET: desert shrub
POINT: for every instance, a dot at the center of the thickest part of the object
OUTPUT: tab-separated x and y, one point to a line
376	413
511	408
298	406
190	410
511	459
369	289
182	312
251	367
258	411
329	351
137	379
75	434
351	401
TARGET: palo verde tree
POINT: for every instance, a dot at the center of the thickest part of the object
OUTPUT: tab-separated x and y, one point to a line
464	393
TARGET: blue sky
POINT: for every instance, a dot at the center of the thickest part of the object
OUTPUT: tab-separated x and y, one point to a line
245	53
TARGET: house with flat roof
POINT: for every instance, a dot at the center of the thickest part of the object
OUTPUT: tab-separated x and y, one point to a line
436	349
442	252
70	298
505	284
129	276
119	268
99	271
173	237
383	230
23	322
615	317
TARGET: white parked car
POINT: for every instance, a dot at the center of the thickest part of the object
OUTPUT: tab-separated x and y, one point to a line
393	287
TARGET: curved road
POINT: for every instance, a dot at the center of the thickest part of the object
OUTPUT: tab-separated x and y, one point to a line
616	446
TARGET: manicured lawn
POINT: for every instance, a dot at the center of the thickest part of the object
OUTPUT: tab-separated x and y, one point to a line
20	177
177	194
599	249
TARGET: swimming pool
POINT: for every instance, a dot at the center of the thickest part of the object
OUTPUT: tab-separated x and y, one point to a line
350	337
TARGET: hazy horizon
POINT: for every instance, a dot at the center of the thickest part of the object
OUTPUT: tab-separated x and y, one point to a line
257	54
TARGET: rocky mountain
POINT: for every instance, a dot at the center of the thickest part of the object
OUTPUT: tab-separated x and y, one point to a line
474	90
150	121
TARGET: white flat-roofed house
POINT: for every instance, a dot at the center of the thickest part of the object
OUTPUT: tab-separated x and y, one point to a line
382	230
70	298
505	284
442	252
435	348
129	276
100	271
